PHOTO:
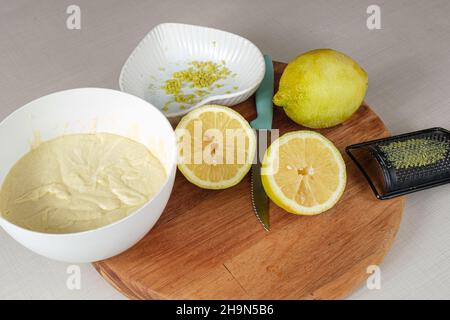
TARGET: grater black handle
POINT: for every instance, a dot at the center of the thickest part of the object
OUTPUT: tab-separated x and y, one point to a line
349	149
404	180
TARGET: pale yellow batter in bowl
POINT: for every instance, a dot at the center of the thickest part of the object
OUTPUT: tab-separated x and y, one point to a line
97	183
80	182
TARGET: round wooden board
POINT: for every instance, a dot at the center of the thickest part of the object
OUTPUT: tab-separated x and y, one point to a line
209	244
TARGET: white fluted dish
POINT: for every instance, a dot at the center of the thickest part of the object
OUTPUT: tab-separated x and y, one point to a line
169	47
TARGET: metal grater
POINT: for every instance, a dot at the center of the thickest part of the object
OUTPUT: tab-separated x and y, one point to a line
405	163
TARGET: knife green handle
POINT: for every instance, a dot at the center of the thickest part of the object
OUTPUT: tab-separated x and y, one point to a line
264	95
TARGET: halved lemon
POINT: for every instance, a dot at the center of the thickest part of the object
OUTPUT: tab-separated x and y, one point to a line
304	173
216	147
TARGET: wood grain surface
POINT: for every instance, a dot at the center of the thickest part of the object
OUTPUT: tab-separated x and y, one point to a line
209	245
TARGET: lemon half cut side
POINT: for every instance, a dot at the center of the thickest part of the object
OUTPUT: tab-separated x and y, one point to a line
304	173
216	147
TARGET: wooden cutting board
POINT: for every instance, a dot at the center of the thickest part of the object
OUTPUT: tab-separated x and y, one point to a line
209	245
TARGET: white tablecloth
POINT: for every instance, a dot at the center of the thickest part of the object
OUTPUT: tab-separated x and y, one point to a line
408	62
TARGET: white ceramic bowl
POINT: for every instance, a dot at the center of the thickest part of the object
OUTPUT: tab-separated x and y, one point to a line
170	46
89	110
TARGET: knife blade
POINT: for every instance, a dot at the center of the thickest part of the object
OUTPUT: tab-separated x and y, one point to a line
262	124
260	200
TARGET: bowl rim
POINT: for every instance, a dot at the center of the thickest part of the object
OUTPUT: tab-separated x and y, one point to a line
258	78
169	172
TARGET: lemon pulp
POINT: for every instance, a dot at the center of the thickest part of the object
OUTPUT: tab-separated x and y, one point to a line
216	147
304	173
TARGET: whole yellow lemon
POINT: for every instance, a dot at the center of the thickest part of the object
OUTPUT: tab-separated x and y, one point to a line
321	88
